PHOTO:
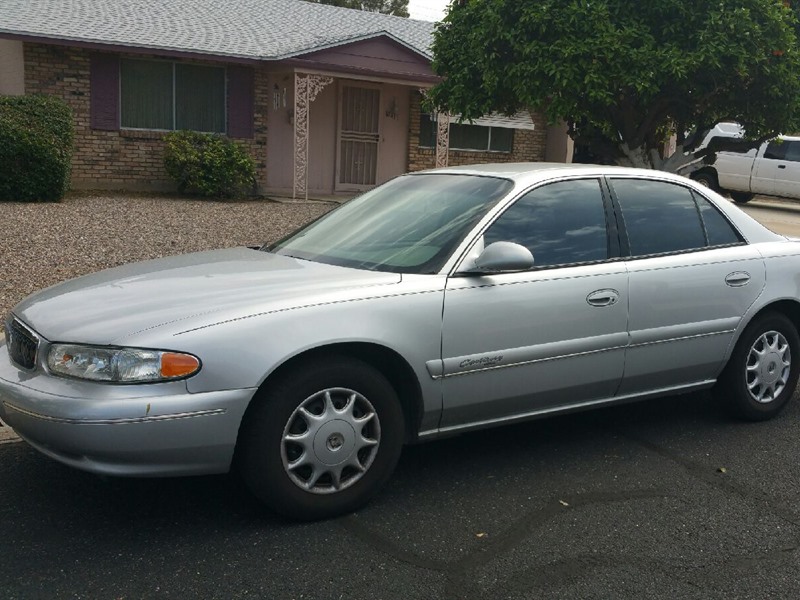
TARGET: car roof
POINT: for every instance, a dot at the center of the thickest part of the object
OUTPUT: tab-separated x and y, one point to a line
532	172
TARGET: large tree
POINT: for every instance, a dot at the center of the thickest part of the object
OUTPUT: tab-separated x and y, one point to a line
624	74
398	8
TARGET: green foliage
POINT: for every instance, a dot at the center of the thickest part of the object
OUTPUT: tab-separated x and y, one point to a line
398	8
621	73
209	165
36	134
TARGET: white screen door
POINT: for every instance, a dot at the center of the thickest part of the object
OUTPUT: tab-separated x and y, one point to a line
358	137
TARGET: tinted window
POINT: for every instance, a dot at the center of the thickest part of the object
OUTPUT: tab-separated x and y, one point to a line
718	230
409	225
659	216
560	223
776	150
792	151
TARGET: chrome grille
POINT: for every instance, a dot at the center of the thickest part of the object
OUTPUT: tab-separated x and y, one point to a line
22	344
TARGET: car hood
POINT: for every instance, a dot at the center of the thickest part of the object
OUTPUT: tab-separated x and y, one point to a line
200	288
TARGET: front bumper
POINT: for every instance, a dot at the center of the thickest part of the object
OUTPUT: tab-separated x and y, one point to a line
133	430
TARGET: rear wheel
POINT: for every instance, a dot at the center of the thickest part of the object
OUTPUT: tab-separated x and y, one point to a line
762	373
742	197
322	439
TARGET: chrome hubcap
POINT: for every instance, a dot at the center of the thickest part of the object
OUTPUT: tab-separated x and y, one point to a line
330	441
768	366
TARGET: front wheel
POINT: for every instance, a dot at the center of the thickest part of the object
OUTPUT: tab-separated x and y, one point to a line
742	197
322	439
706	178
762	373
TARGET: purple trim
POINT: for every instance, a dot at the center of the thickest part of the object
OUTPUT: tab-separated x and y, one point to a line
378	35
291	62
104	91
334	69
241	102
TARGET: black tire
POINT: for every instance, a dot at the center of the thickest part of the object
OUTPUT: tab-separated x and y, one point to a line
742	197
754	388
706	178
263	455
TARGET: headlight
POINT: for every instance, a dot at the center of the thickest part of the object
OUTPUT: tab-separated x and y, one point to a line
120	365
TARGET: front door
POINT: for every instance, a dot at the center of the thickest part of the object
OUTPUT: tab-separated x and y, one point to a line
359	120
514	344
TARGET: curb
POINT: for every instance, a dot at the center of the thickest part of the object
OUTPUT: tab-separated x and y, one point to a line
774	203
7	436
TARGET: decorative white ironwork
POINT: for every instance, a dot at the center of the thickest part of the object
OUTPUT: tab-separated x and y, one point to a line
306	89
442	138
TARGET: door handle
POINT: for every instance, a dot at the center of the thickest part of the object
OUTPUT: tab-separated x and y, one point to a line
603	298
737	279
781	166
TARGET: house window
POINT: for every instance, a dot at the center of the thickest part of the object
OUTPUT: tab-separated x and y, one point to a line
464	136
167	95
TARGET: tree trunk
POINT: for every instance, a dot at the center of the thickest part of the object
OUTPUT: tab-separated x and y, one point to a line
638	157
681	161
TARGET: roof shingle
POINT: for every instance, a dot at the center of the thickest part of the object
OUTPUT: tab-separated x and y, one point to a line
253	29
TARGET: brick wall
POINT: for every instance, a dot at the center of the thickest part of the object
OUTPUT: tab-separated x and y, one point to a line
529	146
124	159
134	160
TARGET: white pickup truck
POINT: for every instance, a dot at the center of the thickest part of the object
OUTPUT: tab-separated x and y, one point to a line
772	169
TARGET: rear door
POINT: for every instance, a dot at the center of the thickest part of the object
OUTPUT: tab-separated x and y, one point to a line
691	278
767	168
787	171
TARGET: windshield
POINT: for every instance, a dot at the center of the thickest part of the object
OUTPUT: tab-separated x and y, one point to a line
409	225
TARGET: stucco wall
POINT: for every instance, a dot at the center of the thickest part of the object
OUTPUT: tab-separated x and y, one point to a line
323	136
124	159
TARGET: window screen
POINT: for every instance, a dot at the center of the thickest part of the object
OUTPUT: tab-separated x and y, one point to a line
464	136
200	98
165	95
146	94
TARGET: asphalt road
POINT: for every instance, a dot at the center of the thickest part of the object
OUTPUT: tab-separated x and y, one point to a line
782	216
664	499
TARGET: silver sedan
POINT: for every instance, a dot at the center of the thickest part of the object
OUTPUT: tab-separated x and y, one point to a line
438	303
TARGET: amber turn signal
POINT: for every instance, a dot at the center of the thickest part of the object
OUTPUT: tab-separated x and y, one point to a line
178	365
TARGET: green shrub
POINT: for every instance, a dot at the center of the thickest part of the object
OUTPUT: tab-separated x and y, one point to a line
209	165
36	134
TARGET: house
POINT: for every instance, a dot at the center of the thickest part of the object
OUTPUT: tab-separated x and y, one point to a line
326	99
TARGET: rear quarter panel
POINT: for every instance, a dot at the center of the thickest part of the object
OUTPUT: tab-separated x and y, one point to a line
782	265
734	170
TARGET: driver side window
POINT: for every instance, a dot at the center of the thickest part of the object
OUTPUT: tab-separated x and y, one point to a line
560	223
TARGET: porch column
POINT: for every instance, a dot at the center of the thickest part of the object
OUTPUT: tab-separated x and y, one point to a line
442	139
306	88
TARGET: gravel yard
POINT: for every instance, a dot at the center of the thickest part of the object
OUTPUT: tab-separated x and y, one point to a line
43	244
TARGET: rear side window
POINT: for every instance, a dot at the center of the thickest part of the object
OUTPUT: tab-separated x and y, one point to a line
662	217
718	231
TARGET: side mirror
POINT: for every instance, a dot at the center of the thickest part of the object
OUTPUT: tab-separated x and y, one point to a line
502	257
